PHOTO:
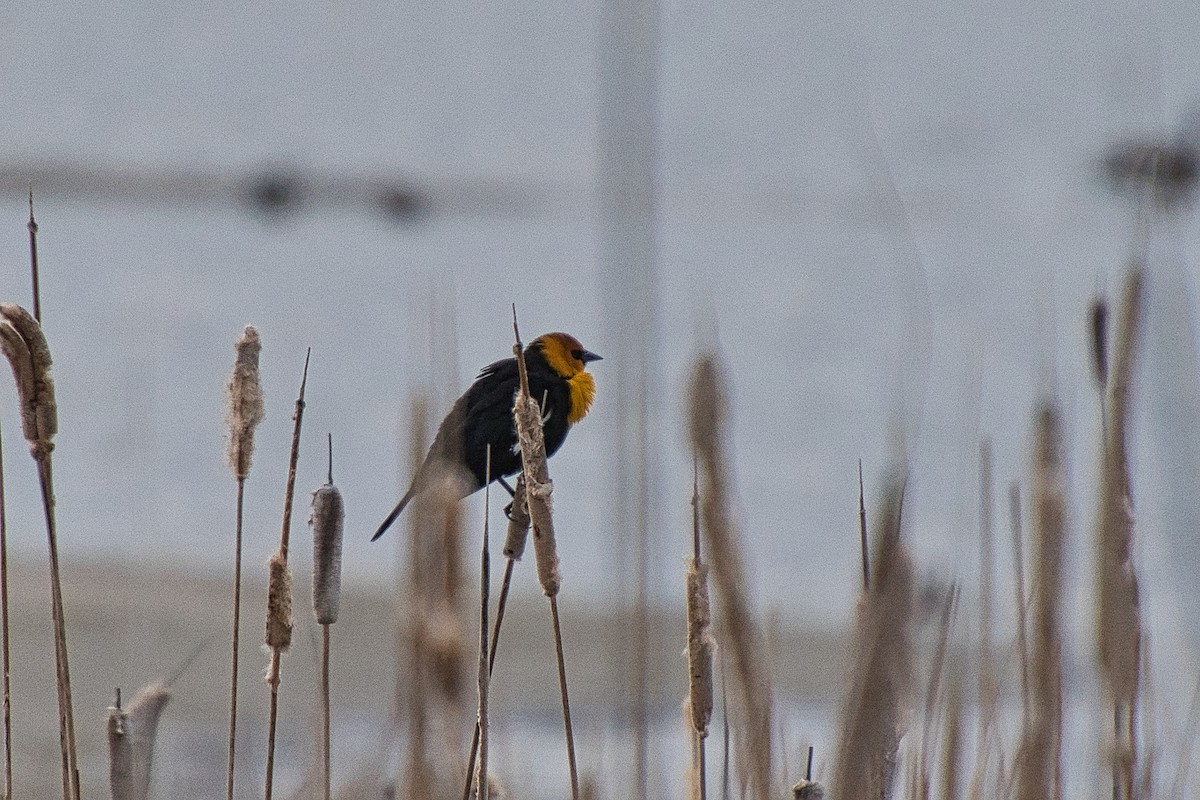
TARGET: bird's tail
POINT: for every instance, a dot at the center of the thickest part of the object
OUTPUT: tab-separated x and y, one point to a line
387	523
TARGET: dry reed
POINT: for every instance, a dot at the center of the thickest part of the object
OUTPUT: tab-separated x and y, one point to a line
1119	634
527	415
933	695
700	645
5	633
988	696
131	736
25	347
869	728
707	421
952	745
483	675
1039	758
327	522
514	547
278	636
432	633
245	412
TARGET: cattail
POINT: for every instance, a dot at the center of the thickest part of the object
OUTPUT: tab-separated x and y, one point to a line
1119	635
538	488
1042	728
279	603
17	353
700	647
707	418
869	731
131	736
518	523
808	790
245	402
25	346
326	521
1117	590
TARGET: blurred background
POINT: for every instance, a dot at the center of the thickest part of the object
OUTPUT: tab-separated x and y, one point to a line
888	219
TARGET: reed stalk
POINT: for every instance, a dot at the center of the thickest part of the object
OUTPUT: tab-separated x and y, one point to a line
5	634
700	645
484	670
131	736
514	547
1119	630
988	688
327	522
881	672
707	416
278	635
246	410
1039	757
527	415
24	345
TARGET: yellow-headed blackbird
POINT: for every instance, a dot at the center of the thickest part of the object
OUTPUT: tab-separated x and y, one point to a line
558	379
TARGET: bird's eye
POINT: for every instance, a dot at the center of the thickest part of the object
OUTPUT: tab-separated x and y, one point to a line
577	355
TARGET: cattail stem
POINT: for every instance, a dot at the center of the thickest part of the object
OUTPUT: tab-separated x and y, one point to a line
1014	505
327	521
279	599
65	703
700	642
244	414
501	604
326	717
24	344
4	633
707	410
32	227
235	637
484	675
566	700
528	418
864	548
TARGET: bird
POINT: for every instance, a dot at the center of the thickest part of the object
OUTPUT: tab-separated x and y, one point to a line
556	364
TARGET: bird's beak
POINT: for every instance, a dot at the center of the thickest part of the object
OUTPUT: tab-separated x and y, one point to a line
588	355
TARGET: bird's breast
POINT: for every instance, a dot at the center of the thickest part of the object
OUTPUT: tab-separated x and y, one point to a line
583	390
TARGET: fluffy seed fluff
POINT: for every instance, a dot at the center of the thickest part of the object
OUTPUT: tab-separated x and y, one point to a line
538	489
279	604
699	647
326	521
245	402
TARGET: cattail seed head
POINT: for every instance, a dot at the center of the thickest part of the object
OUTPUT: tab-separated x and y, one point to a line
326	521
538	489
279	604
808	790
518	523
25	346
699	647
246	408
131	735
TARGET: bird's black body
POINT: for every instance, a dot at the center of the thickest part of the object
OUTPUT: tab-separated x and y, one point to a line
483	416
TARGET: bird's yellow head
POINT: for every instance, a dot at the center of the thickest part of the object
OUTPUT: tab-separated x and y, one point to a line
568	358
